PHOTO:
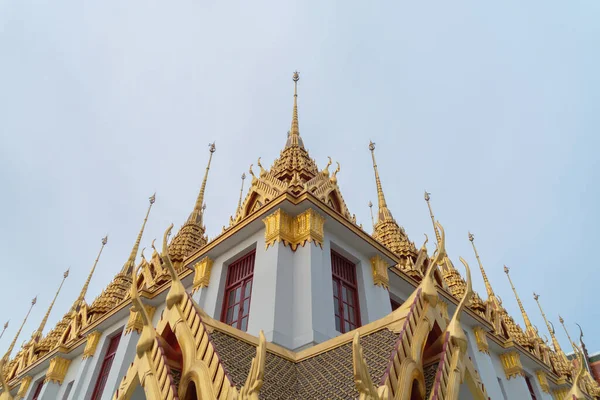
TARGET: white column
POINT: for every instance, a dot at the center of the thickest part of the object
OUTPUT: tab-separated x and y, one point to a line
49	391
483	364
266	294
312	297
124	356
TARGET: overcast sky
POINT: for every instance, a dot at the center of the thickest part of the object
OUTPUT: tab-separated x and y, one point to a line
490	106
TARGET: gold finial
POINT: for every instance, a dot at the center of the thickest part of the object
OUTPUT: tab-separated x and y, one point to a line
562	322
197	213
384	213
12	344
294	139
130	263
555	343
488	287
5	326
427	198
37	335
528	325
239	207
371	209
456	332
81	297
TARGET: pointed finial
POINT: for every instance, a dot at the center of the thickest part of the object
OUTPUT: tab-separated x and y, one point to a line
488	287
371	210
427	198
549	325
130	263
580	333
196	215
294	139
12	344
562	322
384	213
239	207
78	303
37	335
528	326
3	330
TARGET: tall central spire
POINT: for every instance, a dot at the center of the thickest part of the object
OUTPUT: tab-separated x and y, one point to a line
384	213
294	139
528	326
4	329
197	214
37	335
555	343
81	297
130	263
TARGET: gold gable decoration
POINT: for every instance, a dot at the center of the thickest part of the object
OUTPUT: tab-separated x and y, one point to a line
93	339
511	362
543	380
294	231
379	268
57	370
202	270
481	339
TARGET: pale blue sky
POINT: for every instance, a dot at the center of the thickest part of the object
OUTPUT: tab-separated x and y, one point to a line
490	106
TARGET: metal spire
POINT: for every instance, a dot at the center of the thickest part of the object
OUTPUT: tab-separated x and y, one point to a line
562	322
130	263
37	335
555	343
529	327
198	212
12	344
488	287
239	207
294	139
5	326
371	210
437	233
384	213
81	297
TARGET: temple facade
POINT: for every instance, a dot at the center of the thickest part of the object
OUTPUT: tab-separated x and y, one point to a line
294	300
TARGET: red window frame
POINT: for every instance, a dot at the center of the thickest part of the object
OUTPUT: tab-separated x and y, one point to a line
345	293
38	390
238	291
106	365
530	387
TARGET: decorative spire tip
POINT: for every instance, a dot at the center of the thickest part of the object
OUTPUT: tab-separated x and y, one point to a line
296	76
427	196
506	269
471	237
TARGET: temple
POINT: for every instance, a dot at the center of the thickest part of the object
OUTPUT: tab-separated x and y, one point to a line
294	299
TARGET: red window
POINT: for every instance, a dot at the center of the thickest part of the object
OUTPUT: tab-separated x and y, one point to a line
106	364
238	290
345	294
38	390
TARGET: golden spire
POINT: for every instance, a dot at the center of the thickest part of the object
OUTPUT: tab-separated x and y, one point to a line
548	325
562	322
12	344
5	326
130	263
437	233
294	139
488	287
384	213
198	212
81	297
37	335
241	193
528	325
371	210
